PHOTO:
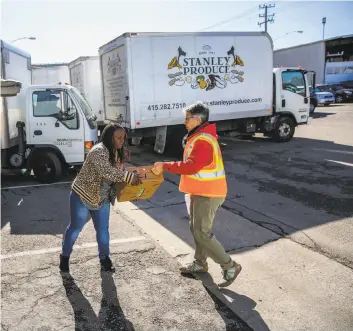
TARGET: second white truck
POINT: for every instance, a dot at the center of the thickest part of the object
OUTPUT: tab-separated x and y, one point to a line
148	78
85	76
51	73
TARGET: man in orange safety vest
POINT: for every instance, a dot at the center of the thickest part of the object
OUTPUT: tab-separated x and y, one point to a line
203	180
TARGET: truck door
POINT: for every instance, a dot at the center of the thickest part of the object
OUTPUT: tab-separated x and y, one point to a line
55	120
295	94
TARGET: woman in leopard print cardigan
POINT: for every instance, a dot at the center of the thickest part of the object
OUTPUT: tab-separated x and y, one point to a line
93	190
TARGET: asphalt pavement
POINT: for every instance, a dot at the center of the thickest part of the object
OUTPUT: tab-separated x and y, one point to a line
287	219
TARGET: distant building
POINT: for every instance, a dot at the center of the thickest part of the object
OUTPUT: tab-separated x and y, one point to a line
331	59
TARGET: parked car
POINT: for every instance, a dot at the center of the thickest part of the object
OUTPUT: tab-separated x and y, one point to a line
322	97
341	93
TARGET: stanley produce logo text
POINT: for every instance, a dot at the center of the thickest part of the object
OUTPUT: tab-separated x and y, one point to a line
207	71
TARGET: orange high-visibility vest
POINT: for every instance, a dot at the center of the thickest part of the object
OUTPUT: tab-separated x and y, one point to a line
209	181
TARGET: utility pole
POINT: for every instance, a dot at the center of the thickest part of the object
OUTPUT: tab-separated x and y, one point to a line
268	18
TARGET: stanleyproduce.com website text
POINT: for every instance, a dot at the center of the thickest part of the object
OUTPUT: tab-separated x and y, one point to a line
232	102
170	106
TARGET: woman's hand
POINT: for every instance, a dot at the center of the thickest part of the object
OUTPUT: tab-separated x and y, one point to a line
135	179
158	168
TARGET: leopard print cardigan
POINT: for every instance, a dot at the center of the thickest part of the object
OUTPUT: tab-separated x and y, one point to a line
94	171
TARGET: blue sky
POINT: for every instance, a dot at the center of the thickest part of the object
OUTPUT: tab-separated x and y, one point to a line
68	29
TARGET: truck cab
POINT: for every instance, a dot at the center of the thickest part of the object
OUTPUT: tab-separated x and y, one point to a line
59	129
291	102
61	118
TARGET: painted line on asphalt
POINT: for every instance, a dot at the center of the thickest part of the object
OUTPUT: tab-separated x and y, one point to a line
340	162
333	151
34	185
58	249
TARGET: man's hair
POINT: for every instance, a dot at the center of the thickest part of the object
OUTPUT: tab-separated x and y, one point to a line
199	109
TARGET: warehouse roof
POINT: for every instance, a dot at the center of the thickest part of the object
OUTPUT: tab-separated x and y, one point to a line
316	42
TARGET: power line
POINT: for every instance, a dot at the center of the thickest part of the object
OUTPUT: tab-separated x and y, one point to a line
246	13
254	9
291	5
268	18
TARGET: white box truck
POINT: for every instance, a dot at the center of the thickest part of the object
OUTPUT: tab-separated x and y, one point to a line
44	128
51	73
148	78
85	76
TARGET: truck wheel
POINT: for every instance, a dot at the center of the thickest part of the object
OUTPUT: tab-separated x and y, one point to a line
47	167
284	129
312	108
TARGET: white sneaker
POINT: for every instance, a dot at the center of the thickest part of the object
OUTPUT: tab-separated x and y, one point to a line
194	267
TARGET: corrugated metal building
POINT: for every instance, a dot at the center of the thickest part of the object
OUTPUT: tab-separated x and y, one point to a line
331	59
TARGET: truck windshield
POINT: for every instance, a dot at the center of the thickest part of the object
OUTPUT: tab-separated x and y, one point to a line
90	116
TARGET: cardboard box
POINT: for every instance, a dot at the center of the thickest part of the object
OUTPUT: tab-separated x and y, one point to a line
149	186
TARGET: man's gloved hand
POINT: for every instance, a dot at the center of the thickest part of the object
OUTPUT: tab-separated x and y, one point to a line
158	168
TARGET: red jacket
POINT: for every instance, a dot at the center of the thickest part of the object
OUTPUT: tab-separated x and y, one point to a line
200	157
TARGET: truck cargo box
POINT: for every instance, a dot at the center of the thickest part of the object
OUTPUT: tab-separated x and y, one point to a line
50	73
16	66
85	76
147	78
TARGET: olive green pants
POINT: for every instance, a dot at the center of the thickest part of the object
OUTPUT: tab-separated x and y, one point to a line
202	212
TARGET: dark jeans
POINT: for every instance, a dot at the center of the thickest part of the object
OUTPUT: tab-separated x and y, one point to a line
80	214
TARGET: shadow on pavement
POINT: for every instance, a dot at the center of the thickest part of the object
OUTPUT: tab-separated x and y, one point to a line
110	317
321	115
235	309
36	210
247	308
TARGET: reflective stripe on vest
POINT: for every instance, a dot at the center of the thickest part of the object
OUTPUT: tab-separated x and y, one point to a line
210	175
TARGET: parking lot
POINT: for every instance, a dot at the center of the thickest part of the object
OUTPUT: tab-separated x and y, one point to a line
288	219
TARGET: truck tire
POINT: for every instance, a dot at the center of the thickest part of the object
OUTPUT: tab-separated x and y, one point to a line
284	129
47	167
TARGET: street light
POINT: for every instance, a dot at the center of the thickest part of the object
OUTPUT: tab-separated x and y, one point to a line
323	27
297	31
30	38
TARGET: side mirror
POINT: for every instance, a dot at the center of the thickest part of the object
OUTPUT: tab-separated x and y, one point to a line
70	116
65	116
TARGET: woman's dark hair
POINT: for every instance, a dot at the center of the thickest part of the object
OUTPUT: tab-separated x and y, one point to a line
107	139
